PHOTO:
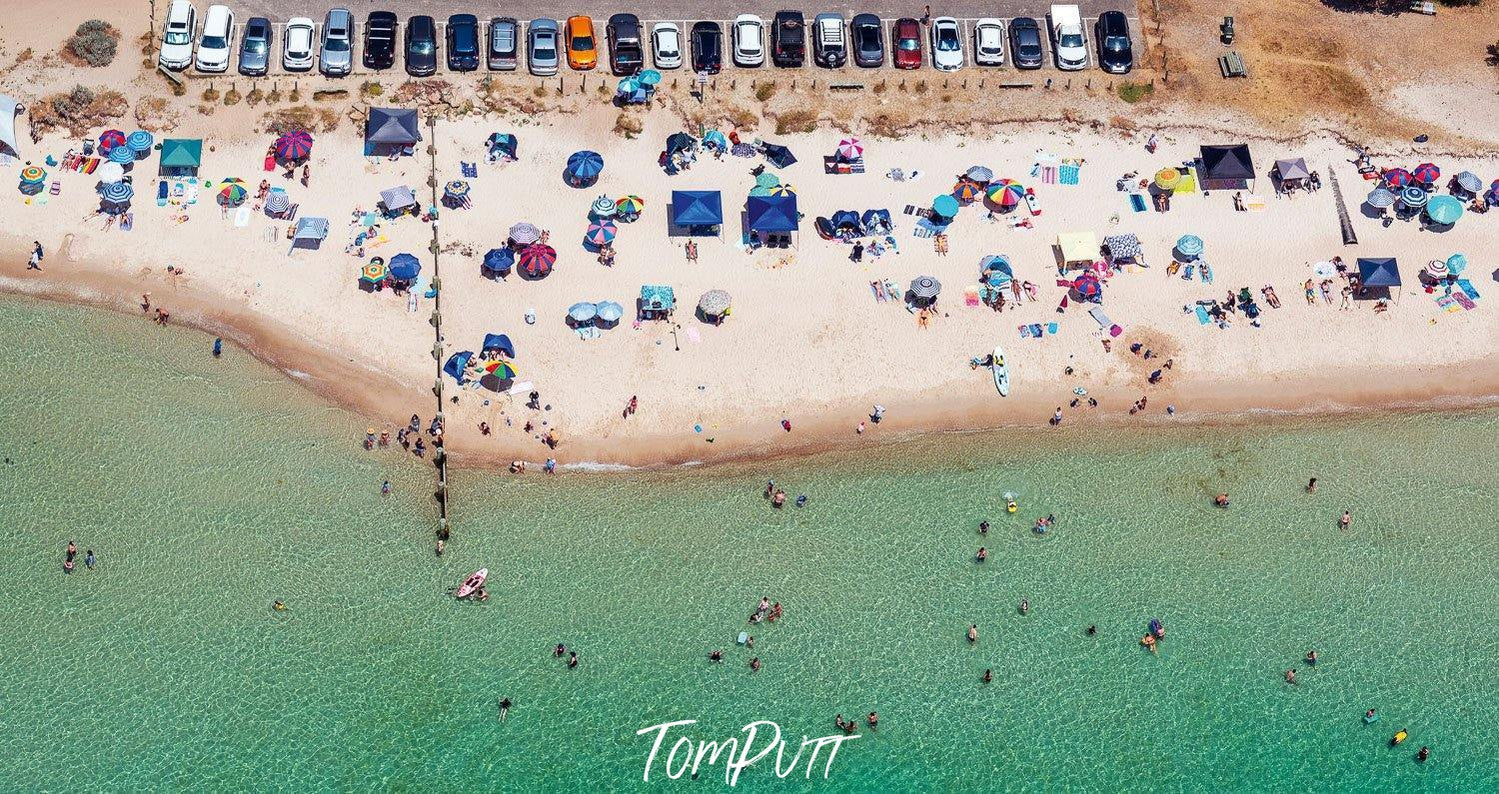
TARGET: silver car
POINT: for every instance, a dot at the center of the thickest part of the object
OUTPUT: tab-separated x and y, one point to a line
336	56
542	47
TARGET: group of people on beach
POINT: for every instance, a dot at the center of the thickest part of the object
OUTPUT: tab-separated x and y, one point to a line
409	437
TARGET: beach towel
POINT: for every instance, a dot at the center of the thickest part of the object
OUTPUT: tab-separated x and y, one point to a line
1069	174
87	165
971	296
1203	318
1104	322
1467	287
1138	203
1188	184
924	229
242	216
161	193
1447	304
1463	300
1254	203
470	170
127	221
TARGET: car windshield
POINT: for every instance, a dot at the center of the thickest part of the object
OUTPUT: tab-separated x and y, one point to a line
1072	40
422	47
214	42
947	40
255	46
582	42
178	36
1116	43
868	37
910	45
337	43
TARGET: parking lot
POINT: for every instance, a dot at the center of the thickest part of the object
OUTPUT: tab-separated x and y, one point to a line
279	11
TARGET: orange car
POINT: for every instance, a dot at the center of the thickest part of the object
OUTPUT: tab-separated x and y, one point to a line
582	48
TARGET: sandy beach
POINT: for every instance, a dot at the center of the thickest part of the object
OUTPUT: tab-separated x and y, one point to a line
807	341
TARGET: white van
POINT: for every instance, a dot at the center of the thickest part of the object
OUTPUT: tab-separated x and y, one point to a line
217	40
177	37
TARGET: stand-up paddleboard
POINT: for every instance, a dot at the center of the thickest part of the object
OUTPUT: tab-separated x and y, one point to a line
472	583
1001	372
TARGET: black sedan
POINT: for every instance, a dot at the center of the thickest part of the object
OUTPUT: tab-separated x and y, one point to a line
1115	54
707	47
421	46
869	41
1025	43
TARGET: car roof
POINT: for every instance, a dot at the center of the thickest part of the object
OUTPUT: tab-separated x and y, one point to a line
827	16
620	18
382	16
254	22
579	20
866	19
706	25
463	19
747	18
544	24
944	21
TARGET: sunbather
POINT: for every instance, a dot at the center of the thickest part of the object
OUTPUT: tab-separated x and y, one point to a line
1270	296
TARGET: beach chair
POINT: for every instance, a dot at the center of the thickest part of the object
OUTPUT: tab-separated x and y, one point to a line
55	188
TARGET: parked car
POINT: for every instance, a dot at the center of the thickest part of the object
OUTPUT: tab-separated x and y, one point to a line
177	36
666	45
749	41
504	44
947	44
905	36
1111	32
829	42
463	42
869	41
707	47
626	55
421	46
1069	44
380	40
255	47
297	50
337	55
214	47
989	42
582	48
1026	48
788	39
541	47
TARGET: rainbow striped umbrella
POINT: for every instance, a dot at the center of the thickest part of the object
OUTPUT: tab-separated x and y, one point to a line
293	145
502	369
630	205
121	154
233	194
1006	193
1397	177
30	175
601	233
140	141
109	139
1427	173
537	260
967	190
374	272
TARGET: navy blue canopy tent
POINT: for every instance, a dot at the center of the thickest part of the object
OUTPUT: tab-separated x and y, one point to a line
390	130
771	213
1379	272
779	156
499	342
503	144
696	208
456	363
847	219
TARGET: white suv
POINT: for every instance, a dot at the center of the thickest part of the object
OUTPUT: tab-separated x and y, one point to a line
177	37
749	41
666	45
218	35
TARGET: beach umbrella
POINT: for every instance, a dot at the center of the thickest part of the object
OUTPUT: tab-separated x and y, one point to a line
1168	178
648	77
500	368
233	194
1494	187
603	207
109	172
601	232
1324	270
455	189
714	302
373	273
1437	268
140	141
767	179
1189	245
109	139
536	260
582	312
980	174
121	154
1414	196
405	266
1381	198
499	260
630	205
850	149
759	191
610	312
1426	173
1006	193
277	201
1469	181
1444	210
585	165
715	138
945	206
783	190
627	86
925	287
524	233
1456	264
31	175
117	192
1087	286
967	190
1397	177
293	145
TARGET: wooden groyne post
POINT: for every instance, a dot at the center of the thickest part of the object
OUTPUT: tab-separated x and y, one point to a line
440	457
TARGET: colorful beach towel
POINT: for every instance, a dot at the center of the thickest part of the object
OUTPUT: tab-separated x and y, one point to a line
1447	304
1467	287
1203	318
1463	301
1069	174
1138	203
88	165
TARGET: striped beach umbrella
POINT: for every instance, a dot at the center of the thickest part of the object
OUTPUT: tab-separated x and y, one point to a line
455	189
925	287
1494	187
277	202
109	139
501	368
601	232
524	233
1189	245
117	193
1397	177
293	146
537	260
1444	210
1088	286
783	190
1426	173
850	149
980	174
374	272
1381	198
585	165
232	194
1414	196
603	207
140	141
31	175
1006	193
1469	181
405	266
629	205
121	154
967	190
1437	268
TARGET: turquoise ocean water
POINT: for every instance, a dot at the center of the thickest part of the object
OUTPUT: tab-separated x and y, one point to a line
210	488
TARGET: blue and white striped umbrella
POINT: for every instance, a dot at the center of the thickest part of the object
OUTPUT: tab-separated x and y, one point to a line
117	192
1189	245
582	312
121	155
278	201
1380	198
140	141
1414	196
603	207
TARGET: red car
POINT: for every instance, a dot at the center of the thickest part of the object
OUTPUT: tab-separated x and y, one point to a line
907	39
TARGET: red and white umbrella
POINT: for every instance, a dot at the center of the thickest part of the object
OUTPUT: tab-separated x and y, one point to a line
850	149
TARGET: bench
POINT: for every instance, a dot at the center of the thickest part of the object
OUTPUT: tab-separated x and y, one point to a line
1232	65
846	86
1427	8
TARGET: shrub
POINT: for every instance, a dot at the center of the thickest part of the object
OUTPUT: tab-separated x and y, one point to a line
95	42
765	91
796	121
1134	92
210	94
232	96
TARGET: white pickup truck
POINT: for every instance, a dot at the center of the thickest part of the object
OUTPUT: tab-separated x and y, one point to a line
1068	40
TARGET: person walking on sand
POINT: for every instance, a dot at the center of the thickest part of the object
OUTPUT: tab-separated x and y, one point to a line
35	263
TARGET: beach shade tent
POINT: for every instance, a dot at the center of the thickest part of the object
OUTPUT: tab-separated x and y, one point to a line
877	222
456	364
498	343
109	173
277	202
9	109
697	209
390	131
524	234
714	305
600	233
996	270
1414	196
1226	167
397	199
679	142
609	314
405	267
945	206
140	143
967	191
1443	210
121	154
1168	178
1188	247
603	207
1381	198
583	168
1292	172
503	145
232	194
715	139
656	302
536	261
779	156
849	149
309	233
1468	182
924	290
1077	248
629	208
181	157
771	214
1426	173
581	314
293	147
498	261
980	174
1123	248
846	221
1379	272
1397	178
374	272
1006	194
109	139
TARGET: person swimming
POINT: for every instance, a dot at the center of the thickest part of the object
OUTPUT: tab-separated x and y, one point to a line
1042	525
973	633
1311	486
1290	676
88	559
504	708
779	499
987	676
1346	520
385	488
982	555
983	527
1311	657
67	566
1423	753
873	719
801	501
1221	500
715	656
572	660
279	606
755	665
218	347
1092	630
558	651
1149	642
1025	606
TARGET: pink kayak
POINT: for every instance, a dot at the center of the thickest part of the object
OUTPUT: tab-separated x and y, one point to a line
472	583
